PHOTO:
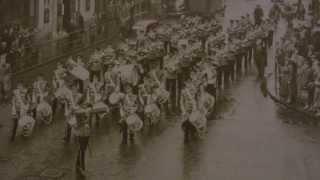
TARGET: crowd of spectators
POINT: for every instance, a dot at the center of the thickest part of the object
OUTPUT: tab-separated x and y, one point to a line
15	43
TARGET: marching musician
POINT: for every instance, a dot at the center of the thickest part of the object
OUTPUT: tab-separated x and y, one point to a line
260	57
64	96
93	96
40	93
129	107
149	101
275	12
20	106
109	83
95	65
82	132
258	15
210	79
187	106
72	100
41	87
171	83
205	101
80	63
57	82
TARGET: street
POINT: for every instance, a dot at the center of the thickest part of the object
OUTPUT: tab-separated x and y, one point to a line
250	139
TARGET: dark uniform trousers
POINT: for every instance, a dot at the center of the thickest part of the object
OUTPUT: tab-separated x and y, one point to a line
14	128
83	145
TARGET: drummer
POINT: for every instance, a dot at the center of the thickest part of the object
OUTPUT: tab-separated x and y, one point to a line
41	88
187	105
93	97
20	106
80	83
149	103
64	97
205	101
58	82
171	83
95	65
129	107
40	92
210	76
109	83
82	132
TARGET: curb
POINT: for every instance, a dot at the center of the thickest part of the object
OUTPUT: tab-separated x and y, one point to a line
291	107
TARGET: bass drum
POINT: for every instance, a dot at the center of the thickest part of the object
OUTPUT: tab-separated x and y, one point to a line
199	121
134	123
25	126
152	112
44	113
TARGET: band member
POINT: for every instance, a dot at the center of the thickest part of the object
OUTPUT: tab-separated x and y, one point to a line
40	92
80	83
92	98
82	133
258	15
109	83
64	96
43	111
205	101
95	66
275	12
188	105
151	108
210	78
260	57
171	84
20	106
129	108
57	83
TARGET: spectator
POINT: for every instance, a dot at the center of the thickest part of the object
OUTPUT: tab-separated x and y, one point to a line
258	15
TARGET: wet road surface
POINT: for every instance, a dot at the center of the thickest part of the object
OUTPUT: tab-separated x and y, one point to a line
250	140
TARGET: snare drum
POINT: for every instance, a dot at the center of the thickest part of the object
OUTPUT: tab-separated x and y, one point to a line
163	95
100	107
44	113
134	123
198	120
152	111
115	98
25	126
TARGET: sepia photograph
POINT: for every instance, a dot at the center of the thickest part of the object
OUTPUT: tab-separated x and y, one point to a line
159	89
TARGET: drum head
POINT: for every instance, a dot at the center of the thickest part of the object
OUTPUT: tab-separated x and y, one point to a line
134	123
114	98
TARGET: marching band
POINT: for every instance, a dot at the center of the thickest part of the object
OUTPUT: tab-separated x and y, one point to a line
174	68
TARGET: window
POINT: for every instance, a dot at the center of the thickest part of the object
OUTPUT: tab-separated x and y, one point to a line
46	13
60	9
88	5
